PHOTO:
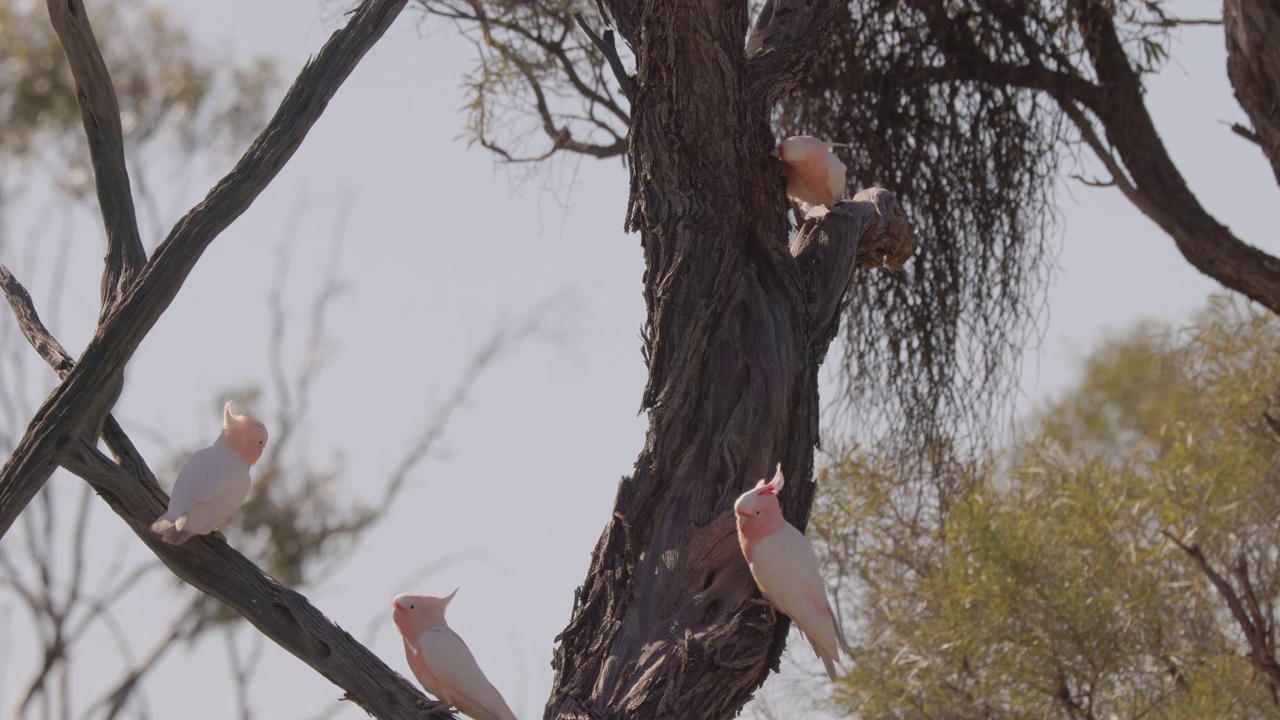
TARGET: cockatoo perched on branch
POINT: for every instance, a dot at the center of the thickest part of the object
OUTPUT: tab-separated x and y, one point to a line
785	567
814	174
214	482
442	662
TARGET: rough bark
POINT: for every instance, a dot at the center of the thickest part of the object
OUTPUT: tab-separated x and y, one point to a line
668	623
1253	64
100	114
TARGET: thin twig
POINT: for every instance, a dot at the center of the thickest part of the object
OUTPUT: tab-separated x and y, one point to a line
609	49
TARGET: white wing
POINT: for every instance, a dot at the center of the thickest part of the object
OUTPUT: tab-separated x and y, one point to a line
210	487
462	682
786	569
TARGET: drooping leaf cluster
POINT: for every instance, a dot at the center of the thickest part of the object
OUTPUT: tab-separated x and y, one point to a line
934	98
929	97
1065	580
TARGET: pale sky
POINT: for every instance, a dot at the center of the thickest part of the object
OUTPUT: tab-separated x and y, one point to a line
441	246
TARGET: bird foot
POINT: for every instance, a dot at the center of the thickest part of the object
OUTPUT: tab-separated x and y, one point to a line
217	535
816	211
432	705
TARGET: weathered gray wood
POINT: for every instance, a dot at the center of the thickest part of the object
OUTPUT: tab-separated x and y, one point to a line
284	616
668	623
77	407
100	114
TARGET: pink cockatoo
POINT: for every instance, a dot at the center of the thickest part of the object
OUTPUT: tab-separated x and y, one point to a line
214	482
785	567
441	661
814	174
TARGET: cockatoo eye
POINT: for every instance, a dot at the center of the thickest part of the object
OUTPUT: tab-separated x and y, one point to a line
411	607
757	512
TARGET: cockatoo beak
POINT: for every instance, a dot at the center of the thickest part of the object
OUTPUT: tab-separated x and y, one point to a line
396	605
776	152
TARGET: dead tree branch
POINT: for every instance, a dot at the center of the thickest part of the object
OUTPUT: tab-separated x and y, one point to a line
75	410
100	113
284	616
1254	625
64	430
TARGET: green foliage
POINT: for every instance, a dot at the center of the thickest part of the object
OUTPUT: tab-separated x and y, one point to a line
1050	585
165	85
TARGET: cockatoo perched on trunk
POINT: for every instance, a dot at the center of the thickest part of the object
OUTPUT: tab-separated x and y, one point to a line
214	482
442	662
814	174
785	567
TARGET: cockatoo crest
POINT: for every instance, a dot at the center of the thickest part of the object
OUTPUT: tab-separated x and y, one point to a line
763	496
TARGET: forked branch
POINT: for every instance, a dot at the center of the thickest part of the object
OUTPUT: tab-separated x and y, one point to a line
75	409
284	616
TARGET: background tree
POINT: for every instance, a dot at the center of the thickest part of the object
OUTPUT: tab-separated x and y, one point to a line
1120	563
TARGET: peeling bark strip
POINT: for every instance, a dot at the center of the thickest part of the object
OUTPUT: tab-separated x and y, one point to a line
668	623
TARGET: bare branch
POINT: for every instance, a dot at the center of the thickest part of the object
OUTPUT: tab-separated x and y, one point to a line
1245	133
1254	632
50	350
1206	243
100	114
77	406
1171	22
284	616
609	50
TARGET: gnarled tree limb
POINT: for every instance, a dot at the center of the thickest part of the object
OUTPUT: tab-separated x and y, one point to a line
1207	244
100	113
284	616
78	405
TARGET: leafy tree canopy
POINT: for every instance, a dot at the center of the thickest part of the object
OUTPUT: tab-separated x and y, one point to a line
1119	562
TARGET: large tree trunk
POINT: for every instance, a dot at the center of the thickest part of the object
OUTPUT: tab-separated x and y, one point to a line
1253	64
665	624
